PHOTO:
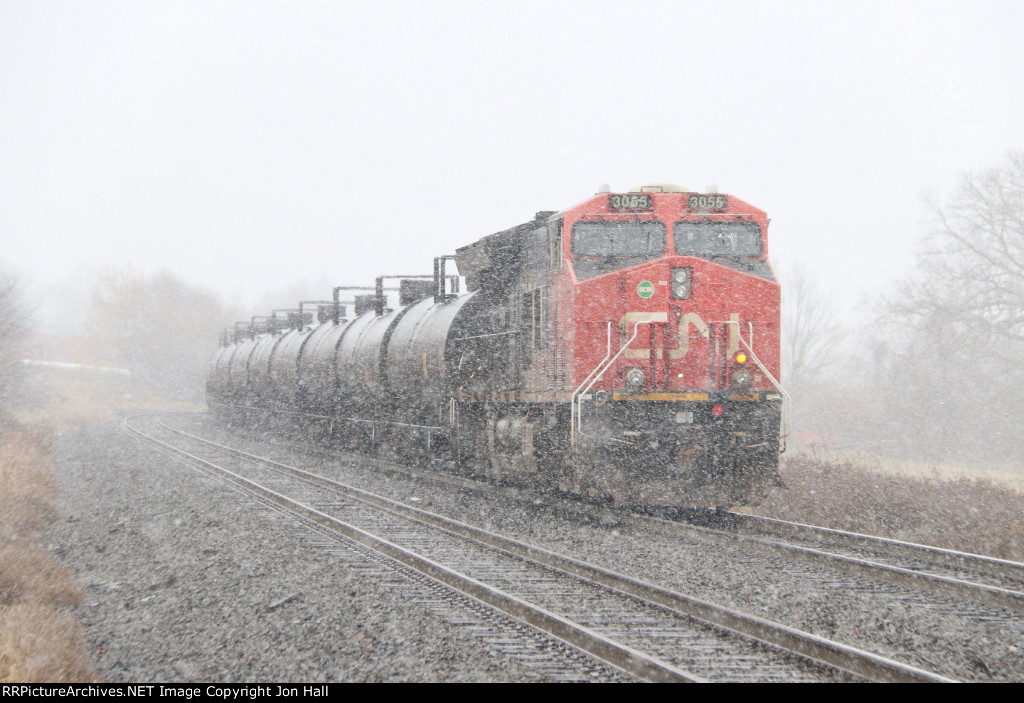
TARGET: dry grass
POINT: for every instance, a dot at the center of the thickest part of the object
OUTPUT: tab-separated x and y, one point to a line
969	514
66	399
1008	476
29	572
37	642
28	491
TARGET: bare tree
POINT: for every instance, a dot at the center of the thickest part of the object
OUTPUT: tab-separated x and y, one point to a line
811	335
955	378
971	268
158	327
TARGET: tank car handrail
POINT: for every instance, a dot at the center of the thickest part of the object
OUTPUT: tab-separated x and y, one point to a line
787	400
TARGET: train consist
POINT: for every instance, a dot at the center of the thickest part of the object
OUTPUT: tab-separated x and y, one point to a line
626	348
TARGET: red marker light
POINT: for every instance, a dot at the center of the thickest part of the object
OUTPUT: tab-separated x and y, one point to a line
717	410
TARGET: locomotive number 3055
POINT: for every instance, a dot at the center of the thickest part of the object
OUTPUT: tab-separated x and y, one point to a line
630	201
708	202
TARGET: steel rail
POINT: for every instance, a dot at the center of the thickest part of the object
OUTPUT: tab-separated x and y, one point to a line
948	557
813	647
954	587
988	594
603	648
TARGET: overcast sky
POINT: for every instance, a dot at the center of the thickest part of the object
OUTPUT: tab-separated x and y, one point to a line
251	145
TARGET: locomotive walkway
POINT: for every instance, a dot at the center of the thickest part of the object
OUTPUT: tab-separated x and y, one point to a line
650	632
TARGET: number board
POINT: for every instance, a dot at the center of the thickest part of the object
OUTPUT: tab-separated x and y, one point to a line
708	202
630	201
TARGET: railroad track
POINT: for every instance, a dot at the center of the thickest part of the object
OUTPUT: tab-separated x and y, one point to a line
997	582
916	583
976	636
956	576
649	632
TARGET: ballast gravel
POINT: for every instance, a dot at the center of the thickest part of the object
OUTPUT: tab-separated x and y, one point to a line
956	639
186	580
175	594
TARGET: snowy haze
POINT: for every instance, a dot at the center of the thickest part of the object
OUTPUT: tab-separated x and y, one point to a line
249	146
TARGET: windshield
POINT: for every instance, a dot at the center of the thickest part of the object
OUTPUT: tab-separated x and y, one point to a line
603	247
709	239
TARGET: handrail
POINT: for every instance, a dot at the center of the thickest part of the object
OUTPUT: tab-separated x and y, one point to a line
576	408
575	393
787	401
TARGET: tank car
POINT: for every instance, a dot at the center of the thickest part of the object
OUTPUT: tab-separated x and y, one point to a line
626	348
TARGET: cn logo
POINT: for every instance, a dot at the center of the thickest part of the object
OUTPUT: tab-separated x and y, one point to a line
691	326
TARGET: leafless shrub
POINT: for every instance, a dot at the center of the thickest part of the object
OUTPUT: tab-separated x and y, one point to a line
38	644
972	515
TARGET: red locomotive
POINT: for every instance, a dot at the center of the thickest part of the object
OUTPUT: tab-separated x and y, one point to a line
624	348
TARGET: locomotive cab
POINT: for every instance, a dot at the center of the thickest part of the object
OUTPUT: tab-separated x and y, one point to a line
676	313
627	348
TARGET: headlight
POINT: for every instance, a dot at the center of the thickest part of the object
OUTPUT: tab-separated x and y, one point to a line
635	379
681	282
741	379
